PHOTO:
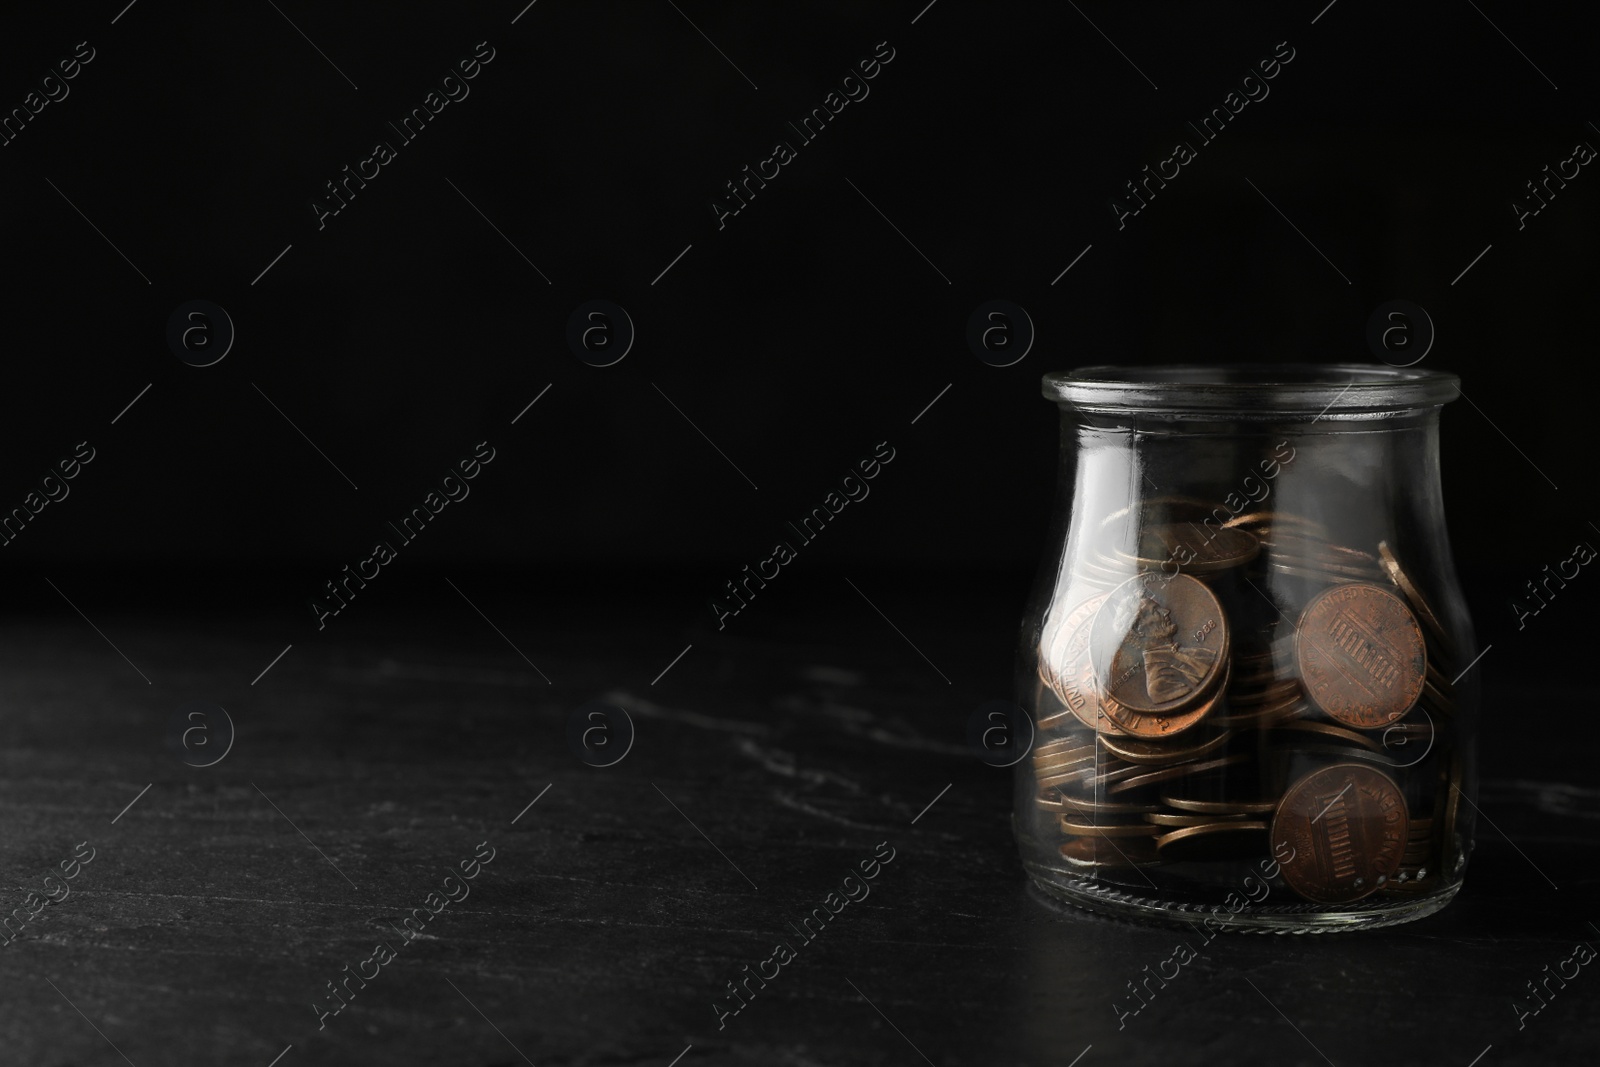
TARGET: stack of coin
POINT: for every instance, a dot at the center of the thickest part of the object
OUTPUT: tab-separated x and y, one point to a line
1167	534
1214	690
1101	573
1436	633
1419	838
1191	548
1260	696
1303	549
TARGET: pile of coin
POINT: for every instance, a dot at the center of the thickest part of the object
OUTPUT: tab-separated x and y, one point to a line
1218	692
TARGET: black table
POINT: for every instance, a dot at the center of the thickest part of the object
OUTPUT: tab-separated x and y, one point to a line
768	761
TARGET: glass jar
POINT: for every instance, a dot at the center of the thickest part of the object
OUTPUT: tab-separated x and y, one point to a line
1247	657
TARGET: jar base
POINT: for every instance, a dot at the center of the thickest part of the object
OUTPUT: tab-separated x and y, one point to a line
1103	898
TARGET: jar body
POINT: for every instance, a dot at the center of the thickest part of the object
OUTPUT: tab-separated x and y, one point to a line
1248	660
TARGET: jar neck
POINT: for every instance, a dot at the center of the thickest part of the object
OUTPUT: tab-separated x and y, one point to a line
1364	480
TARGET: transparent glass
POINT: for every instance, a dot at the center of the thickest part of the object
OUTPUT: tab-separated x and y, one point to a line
1246	656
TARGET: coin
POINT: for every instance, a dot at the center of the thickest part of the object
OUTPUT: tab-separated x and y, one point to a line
1169	818
1052	654
1115	770
1413	595
1140	725
1263	717
1346	825
1242	699
1220	807
1071	825
1167	774
1337	733
1331	568
1057	801
1077	687
1361	655
1263	523
1438	700
1096	583
1190	549
1138	750
1158	643
1256	653
1222	839
1316	575
1064	759
1055	720
1058	746
1339	752
1155	509
1260	683
1077	773
1101	566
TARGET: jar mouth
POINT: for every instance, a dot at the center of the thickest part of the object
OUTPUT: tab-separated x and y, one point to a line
1254	390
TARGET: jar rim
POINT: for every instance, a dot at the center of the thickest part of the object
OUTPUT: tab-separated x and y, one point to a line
1277	389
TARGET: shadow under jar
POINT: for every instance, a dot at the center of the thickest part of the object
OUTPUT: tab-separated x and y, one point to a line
1246	653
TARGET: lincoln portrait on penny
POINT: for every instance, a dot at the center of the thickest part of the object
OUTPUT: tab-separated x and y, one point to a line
1171	671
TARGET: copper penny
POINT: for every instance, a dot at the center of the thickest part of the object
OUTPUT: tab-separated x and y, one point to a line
1437	679
1437	698
1055	719
1066	748
1052	644
1113	770
1265	522
1057	801
1413	595
1139	750
1073	825
1189	549
1303	751
1048	778
1167	774
1332	569
1151	727
1321	576
1261	717
1102	568
1158	643
1243	698
1218	840
1361	655
1168	818
1347	826
1221	807
1325	730
1076	686
1059	765
1063	760
1290	548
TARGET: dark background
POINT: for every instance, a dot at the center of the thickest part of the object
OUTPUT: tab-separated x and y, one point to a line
804	331
796	338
